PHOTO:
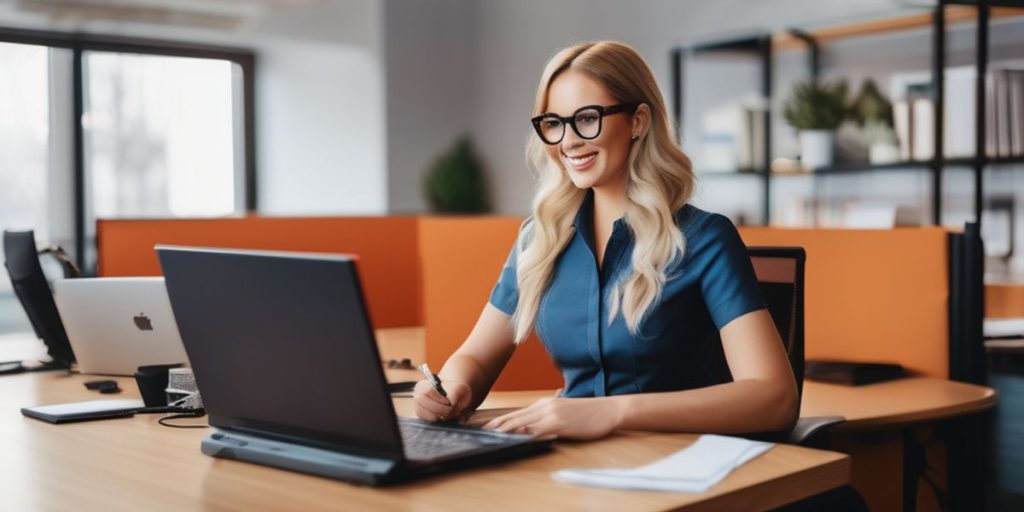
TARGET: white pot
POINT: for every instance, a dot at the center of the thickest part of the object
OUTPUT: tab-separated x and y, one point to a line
816	148
883	153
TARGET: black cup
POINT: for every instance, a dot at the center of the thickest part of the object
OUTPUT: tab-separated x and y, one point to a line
152	381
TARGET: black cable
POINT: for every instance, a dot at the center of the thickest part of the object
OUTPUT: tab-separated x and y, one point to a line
198	413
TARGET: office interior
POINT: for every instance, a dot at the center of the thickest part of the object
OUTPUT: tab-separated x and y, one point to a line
124	121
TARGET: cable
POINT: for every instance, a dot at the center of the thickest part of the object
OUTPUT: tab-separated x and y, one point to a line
198	413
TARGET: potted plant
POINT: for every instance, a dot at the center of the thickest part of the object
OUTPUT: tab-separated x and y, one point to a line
454	182
873	114
816	110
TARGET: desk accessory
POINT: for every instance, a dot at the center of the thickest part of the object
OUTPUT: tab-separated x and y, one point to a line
152	381
103	386
84	411
181	389
852	373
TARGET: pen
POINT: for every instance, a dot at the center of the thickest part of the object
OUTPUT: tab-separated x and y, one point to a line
434	381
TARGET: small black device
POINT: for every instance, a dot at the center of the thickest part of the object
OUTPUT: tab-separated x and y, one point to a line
32	290
103	386
852	373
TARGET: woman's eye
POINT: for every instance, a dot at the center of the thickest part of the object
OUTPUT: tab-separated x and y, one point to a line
586	119
552	123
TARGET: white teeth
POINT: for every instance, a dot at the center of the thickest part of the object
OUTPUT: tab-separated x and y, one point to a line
578	161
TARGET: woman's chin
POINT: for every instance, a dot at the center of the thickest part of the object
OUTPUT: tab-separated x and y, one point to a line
581	180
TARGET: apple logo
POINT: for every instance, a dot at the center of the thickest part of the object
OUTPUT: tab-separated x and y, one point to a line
142	322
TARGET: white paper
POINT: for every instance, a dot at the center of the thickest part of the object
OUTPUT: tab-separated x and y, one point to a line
89	406
694	469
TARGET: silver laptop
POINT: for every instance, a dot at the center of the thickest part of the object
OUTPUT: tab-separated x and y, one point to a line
116	324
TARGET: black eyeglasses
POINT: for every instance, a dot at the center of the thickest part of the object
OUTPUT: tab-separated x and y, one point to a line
586	122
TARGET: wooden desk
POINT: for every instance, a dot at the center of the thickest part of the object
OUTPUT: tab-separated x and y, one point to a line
895	403
890	432
877	433
136	464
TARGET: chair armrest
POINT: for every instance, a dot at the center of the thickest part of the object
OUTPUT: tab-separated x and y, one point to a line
809	431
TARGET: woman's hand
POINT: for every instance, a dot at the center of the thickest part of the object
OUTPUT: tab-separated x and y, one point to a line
567	418
431	406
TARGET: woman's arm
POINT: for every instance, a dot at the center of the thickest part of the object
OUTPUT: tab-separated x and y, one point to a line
470	372
762	396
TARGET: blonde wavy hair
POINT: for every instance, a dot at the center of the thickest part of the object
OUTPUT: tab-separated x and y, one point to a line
659	182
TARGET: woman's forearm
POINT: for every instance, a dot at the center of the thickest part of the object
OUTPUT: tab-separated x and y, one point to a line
735	407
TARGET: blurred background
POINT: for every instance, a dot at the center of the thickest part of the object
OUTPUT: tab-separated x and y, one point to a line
797	113
200	108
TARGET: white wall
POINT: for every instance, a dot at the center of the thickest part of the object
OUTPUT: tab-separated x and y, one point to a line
517	38
431	89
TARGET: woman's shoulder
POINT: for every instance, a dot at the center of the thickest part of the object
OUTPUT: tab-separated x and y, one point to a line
696	223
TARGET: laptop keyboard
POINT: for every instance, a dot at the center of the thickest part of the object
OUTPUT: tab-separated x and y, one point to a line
423	441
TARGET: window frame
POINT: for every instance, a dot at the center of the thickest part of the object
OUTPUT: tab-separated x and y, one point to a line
79	43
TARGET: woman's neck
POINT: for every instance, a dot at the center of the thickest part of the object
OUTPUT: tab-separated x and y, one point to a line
610	203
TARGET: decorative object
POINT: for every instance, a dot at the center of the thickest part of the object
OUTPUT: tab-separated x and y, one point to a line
454	182
880	139
870	105
816	110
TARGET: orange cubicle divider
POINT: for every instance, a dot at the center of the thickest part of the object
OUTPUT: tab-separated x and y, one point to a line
462	258
386	246
873	295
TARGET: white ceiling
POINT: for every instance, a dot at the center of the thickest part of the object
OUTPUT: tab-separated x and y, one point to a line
231	15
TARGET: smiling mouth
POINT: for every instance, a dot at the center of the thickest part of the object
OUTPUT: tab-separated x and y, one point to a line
578	161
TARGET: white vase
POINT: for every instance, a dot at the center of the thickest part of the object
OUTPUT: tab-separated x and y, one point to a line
816	148
883	153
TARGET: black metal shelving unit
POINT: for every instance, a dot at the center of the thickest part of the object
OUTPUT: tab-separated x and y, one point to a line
761	45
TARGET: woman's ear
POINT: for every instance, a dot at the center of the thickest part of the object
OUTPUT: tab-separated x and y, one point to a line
641	120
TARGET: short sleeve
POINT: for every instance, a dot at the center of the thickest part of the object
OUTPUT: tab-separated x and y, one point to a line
728	281
505	295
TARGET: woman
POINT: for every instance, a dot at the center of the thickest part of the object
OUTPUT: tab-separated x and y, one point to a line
629	287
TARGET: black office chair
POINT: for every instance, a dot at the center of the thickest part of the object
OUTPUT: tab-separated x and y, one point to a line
780	272
22	260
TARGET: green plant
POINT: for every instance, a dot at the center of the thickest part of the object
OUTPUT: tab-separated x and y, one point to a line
454	182
816	106
871	105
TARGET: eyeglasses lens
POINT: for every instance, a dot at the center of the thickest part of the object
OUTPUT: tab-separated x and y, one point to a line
552	130
588	123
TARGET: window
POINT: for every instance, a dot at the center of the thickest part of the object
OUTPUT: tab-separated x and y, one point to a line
104	127
24	156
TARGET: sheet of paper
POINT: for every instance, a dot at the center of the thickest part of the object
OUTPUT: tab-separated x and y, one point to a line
694	469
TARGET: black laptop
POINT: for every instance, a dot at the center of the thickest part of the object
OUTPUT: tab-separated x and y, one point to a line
287	366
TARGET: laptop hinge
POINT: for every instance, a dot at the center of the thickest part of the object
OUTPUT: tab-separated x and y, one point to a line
295	457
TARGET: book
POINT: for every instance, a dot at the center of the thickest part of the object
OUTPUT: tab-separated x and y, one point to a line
922	129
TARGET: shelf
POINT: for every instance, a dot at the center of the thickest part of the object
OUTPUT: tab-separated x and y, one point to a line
740	172
954	14
854	168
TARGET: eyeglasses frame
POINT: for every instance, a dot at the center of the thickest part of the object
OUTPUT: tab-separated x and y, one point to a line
602	111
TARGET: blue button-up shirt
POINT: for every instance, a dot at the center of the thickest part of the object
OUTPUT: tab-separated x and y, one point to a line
678	346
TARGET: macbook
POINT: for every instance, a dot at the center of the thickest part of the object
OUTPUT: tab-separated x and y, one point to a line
286	362
117	324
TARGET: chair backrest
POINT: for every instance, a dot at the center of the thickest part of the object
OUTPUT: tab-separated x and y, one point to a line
780	272
22	261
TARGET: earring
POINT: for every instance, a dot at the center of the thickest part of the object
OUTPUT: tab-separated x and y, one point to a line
635	137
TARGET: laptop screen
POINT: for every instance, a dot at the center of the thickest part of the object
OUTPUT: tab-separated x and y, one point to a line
281	345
